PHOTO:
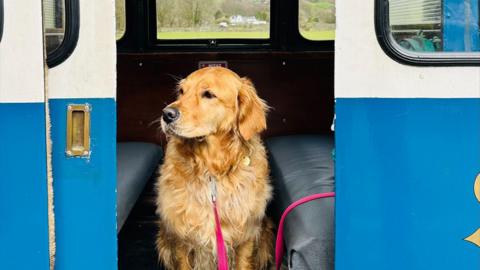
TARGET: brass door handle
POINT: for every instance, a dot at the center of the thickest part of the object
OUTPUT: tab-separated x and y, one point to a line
78	130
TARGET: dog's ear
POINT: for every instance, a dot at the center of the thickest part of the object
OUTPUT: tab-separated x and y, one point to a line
251	111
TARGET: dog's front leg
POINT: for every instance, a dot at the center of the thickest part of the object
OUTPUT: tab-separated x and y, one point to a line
171	251
244	253
182	258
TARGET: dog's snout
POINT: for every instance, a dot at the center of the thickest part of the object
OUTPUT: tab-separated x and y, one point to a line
170	114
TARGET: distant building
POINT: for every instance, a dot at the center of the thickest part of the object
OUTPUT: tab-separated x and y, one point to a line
242	20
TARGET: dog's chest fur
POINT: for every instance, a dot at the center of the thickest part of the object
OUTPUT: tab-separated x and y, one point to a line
185	202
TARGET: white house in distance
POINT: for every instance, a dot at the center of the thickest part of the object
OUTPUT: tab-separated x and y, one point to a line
242	20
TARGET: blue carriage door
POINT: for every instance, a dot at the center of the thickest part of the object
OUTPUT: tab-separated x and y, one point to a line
407	135
81	98
24	234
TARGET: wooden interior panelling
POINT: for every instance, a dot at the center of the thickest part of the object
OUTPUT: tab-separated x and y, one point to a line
299	87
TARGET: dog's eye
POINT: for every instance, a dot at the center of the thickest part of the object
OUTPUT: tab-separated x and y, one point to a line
208	94
180	91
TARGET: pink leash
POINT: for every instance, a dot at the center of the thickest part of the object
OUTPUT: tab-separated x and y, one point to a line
221	250
222	258
279	242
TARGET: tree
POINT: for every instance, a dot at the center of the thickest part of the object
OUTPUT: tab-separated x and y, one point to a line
218	14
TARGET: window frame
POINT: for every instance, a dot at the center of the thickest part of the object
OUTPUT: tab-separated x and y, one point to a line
205	44
403	56
140	33
70	39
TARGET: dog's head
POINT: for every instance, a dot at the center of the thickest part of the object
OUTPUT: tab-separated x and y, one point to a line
215	100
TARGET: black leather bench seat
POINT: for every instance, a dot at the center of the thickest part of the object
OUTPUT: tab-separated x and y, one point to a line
136	162
301	166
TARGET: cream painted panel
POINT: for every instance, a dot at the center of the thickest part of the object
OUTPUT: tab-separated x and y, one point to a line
362	69
90	71
21	53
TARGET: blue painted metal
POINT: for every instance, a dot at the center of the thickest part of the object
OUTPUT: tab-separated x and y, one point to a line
405	171
23	187
85	190
460	26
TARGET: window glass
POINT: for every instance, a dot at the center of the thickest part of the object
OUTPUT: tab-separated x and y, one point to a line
54	23
213	19
431	26
120	18
316	19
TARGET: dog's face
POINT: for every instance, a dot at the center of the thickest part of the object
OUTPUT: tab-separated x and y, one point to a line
213	100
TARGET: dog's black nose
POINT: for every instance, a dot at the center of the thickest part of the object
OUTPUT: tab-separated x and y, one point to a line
170	114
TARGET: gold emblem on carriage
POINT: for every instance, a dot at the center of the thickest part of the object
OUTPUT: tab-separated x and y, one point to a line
475	237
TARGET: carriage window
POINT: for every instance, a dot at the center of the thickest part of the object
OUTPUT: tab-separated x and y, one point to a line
61	24
54	23
316	19
120	18
213	19
430	26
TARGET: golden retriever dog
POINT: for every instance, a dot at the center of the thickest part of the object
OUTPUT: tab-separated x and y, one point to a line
212	134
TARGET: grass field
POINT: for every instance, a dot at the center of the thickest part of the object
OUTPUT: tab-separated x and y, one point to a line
319	35
312	35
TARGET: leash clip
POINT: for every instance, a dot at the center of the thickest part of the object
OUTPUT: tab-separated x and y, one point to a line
213	188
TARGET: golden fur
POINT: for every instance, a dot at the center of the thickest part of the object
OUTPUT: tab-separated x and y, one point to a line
215	135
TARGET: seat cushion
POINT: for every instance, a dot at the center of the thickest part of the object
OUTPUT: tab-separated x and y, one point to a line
136	162
301	166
